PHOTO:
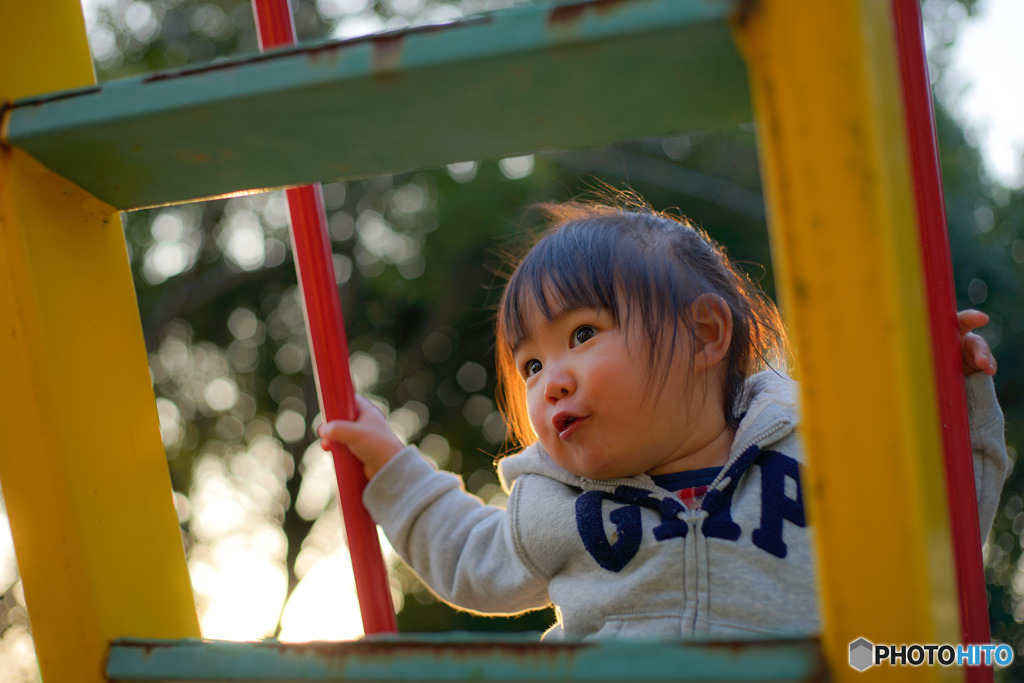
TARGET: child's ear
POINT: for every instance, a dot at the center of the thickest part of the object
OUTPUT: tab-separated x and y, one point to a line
712	327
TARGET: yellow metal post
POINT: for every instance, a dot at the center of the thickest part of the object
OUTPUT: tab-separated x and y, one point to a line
834	159
84	478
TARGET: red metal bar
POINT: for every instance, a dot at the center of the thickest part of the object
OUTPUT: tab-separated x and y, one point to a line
315	266
938	271
274	23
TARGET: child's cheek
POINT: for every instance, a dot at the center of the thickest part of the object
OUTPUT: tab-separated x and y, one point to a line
535	411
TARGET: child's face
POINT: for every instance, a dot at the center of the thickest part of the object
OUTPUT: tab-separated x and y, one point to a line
595	409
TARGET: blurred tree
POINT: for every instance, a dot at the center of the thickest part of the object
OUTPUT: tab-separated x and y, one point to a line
417	257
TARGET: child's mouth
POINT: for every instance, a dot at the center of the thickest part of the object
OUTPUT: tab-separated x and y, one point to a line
566	424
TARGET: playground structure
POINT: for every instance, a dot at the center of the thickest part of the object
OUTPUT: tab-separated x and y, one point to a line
847	189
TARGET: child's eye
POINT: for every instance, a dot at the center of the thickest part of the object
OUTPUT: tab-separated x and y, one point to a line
531	367
582	334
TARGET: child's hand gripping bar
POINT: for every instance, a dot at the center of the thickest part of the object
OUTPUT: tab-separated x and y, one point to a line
315	267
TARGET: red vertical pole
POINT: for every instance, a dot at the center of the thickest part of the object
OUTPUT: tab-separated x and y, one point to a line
314	263
938	271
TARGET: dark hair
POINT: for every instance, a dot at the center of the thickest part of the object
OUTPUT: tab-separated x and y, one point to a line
594	255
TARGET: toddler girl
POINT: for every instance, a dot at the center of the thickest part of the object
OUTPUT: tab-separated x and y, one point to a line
659	491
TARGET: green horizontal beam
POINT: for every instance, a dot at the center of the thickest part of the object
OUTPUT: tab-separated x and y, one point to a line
510	82
464	657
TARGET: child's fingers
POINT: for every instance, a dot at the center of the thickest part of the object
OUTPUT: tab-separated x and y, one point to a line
329	445
350	432
338	430
368	437
976	352
977	355
367	410
971	319
368	419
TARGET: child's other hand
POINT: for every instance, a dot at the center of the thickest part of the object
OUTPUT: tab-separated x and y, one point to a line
368	437
977	355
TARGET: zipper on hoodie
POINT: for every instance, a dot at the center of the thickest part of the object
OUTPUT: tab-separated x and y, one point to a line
722	481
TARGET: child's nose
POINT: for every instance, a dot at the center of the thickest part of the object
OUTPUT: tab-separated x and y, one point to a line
560	384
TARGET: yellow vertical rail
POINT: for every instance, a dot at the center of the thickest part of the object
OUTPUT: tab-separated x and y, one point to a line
82	467
826	94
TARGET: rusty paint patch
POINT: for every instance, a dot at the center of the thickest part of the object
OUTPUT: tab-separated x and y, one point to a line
819	672
206	68
389	649
343	654
387	53
455	650
745	11
573	13
38	100
330	50
5	116
475	20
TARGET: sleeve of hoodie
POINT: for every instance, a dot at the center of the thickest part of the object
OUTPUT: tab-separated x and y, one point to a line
467	552
988	442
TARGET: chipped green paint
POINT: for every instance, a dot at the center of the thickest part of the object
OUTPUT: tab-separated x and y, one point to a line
510	82
465	657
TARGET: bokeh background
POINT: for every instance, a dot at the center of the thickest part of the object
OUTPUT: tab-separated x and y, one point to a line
418	259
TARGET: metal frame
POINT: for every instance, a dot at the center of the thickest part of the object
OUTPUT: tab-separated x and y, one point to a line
506	83
466	657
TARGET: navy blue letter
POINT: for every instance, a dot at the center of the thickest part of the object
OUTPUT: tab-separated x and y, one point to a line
611	556
718	502
775	507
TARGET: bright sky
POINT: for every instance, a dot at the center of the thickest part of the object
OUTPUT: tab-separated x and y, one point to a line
989	56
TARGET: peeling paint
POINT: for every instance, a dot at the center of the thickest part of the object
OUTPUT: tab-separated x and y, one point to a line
459	657
318	51
745	11
387	53
54	97
573	13
5	117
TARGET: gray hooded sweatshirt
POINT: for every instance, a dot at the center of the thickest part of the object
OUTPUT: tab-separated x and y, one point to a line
624	557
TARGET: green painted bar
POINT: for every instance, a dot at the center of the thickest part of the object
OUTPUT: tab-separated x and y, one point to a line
509	82
465	657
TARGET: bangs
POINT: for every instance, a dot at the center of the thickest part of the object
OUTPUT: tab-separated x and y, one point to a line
617	262
562	273
600	263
